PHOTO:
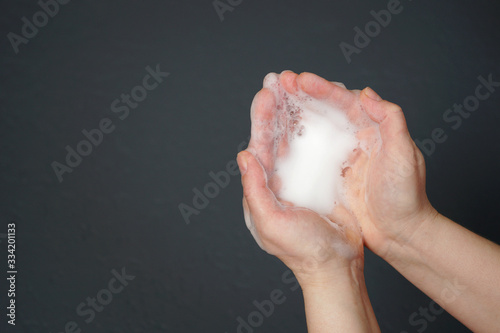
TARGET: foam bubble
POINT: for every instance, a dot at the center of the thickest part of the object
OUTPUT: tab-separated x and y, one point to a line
320	138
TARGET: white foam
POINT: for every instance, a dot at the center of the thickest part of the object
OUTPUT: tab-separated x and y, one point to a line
320	138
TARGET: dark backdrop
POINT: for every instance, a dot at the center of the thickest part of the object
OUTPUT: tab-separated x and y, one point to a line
119	208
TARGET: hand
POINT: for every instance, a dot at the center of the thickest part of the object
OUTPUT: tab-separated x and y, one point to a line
305	241
387	186
386	179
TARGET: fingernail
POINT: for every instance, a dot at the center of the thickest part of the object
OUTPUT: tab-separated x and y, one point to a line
372	94
242	163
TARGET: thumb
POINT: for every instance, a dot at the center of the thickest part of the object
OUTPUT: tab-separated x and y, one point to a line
259	197
389	116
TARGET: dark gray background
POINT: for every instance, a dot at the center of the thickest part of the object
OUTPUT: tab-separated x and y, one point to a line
119	208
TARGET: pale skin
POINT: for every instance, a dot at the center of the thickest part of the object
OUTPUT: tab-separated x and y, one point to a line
386	197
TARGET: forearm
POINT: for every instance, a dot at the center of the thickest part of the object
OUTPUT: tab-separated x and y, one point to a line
337	301
455	267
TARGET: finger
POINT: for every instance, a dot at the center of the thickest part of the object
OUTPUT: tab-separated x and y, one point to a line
271	80
286	121
282	145
389	116
288	80
260	199
321	89
335	95
340	84
247	216
263	117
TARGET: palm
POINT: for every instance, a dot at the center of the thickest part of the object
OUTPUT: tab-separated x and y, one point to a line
303	239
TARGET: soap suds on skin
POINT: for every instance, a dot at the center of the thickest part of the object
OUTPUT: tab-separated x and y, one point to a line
319	140
313	141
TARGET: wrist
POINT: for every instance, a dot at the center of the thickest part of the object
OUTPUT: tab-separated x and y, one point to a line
350	272
409	242
336	300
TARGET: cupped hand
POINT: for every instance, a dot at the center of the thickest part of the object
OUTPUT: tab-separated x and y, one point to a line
394	180
386	179
305	241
